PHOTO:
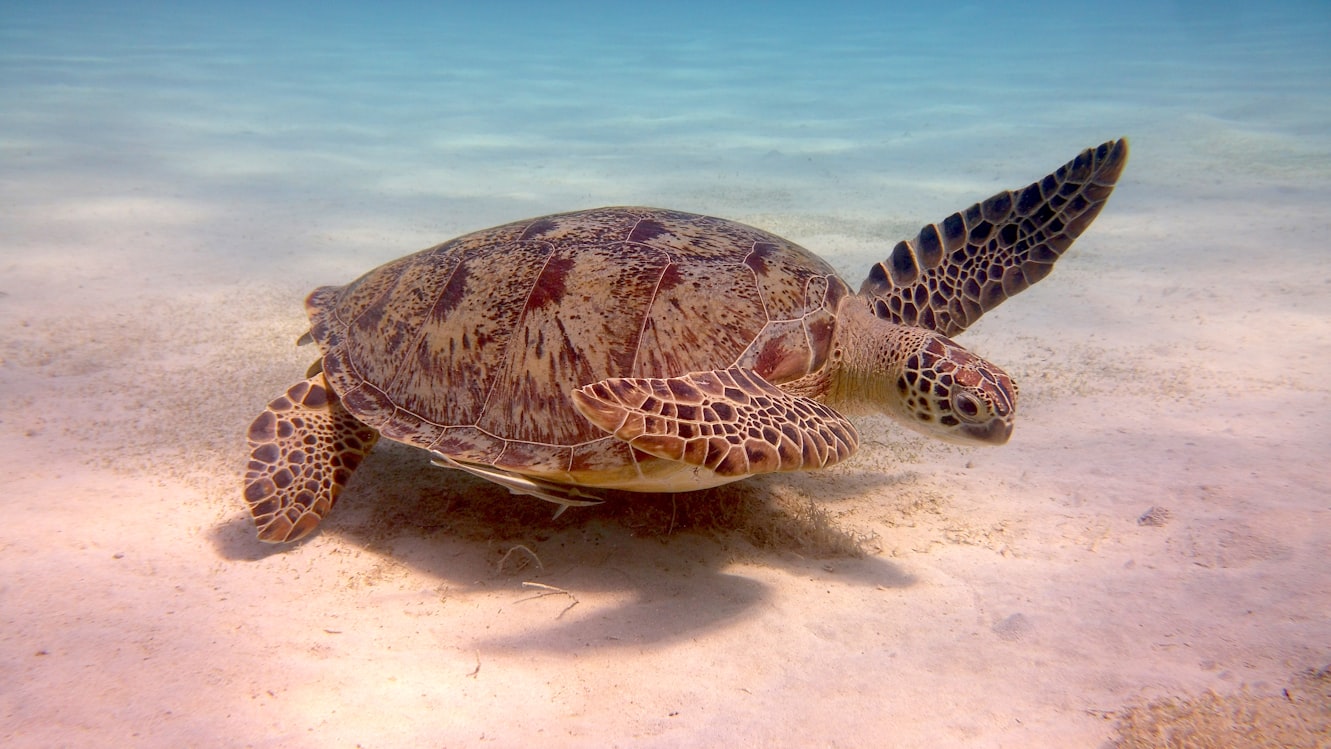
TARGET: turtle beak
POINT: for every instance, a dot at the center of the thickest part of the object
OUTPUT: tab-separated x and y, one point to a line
996	432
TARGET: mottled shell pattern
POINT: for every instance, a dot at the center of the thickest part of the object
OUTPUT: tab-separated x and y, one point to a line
472	348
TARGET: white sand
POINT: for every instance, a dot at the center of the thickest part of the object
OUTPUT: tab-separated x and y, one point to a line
169	194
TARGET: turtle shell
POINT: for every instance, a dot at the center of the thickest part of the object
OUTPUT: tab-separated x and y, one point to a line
471	348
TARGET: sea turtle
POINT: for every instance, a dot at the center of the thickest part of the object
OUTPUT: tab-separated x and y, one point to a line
654	350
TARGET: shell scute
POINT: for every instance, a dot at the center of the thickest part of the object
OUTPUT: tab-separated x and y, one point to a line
472	347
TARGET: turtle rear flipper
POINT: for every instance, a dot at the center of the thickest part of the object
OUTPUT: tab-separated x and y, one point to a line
731	421
303	449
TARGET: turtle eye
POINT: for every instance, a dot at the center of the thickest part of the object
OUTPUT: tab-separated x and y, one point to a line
967	405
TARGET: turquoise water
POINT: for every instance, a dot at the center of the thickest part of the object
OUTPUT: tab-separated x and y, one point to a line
174	178
722	108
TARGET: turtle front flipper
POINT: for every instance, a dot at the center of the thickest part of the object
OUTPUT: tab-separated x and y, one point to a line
730	421
303	448
965	265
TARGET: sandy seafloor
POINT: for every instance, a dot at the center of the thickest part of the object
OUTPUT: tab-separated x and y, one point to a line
174	179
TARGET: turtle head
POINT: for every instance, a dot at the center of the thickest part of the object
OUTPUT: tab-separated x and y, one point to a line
921	378
944	391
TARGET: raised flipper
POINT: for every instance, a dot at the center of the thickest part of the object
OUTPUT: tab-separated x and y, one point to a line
303	448
564	495
960	268
730	421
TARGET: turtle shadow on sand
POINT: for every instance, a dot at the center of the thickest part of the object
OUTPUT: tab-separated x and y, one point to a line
665	557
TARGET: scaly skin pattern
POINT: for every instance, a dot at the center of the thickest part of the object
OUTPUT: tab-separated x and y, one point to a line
956	270
303	448
730	422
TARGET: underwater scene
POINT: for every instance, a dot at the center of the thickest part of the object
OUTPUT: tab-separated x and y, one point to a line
765	479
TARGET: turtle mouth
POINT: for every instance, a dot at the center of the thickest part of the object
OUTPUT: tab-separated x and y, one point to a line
995	432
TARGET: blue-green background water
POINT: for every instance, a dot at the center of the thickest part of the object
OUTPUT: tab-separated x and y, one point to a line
553	106
174	178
